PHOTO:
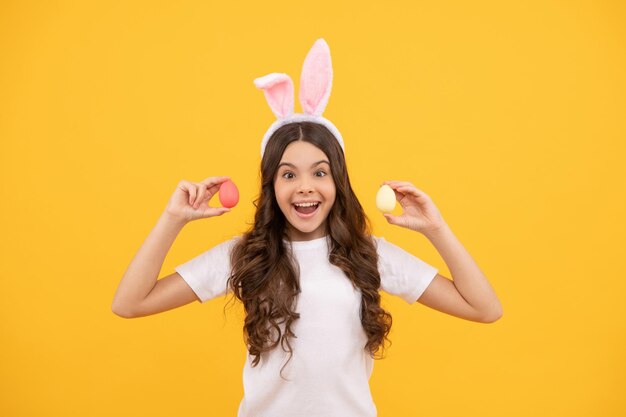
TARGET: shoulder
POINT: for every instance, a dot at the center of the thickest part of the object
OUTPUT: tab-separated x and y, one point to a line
228	243
225	248
394	257
219	250
232	241
384	247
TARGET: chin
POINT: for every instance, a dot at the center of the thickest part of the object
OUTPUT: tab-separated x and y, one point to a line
304	231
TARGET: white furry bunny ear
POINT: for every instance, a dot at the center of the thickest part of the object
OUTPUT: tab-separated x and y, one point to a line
316	79
278	90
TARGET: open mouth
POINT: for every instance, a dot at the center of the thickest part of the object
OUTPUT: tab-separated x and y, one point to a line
307	210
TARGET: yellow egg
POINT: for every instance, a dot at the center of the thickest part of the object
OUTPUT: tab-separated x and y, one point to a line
386	199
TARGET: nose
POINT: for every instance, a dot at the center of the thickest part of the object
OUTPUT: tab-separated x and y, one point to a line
305	188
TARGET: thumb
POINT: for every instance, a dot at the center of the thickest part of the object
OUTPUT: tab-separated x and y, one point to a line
222	210
216	211
391	219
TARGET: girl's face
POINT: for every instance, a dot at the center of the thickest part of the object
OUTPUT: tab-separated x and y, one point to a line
304	176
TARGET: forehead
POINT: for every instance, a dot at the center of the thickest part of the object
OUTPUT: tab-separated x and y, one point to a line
302	153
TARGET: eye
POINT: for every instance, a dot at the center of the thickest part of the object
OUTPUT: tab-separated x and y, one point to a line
323	172
287	173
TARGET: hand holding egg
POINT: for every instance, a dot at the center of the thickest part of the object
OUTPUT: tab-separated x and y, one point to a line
189	200
419	213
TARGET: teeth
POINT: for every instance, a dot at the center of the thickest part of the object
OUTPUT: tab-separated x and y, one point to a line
306	204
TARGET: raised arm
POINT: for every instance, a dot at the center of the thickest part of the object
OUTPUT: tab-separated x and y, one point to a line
140	293
142	273
469	295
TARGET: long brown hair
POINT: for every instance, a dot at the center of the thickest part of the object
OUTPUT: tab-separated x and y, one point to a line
264	275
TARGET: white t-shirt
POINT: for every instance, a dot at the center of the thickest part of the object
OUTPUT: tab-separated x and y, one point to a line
329	372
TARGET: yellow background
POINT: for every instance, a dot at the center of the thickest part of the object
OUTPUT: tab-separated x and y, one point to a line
510	115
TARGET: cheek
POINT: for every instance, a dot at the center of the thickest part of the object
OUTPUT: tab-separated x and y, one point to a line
282	196
331	192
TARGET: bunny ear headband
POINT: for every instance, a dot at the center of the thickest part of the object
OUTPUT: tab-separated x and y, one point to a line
315	84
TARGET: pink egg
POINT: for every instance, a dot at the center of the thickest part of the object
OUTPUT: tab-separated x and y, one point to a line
229	194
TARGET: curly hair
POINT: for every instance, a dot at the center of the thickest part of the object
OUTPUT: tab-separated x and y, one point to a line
264	275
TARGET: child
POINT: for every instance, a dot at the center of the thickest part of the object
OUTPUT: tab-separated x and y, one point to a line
308	271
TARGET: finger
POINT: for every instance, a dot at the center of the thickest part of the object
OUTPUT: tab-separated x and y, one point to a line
214	188
210	192
409	190
184	186
399	194
395	184
414	191
200	196
214	180
397	191
192	193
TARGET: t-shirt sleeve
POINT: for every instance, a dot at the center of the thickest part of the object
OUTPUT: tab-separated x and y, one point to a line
401	273
207	274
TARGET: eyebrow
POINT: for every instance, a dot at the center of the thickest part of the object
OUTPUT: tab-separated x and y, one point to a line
294	167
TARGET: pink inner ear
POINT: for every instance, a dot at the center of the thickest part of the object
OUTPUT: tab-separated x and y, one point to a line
316	79
278	90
